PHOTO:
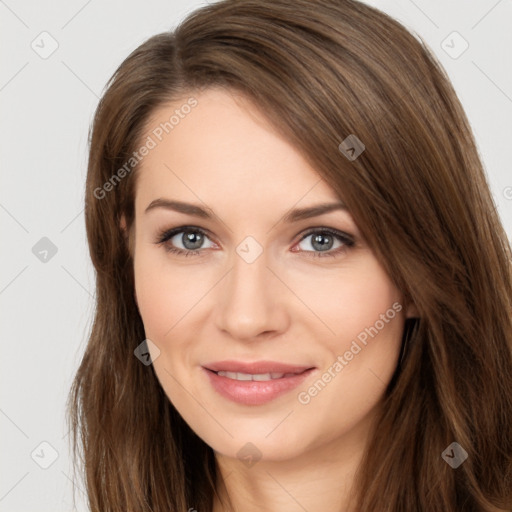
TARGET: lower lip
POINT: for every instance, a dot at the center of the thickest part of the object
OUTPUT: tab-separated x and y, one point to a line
251	392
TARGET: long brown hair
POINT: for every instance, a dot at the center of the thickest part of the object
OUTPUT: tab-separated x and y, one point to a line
321	71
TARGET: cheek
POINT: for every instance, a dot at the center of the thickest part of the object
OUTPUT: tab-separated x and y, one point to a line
365	315
161	306
156	294
151	299
349	302
163	296
366	307
171	304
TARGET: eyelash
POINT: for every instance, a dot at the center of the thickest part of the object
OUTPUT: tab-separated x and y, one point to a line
166	235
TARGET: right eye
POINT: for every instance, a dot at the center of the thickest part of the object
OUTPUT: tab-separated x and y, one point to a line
191	239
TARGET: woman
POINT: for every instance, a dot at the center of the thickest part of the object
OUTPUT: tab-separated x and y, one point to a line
289	219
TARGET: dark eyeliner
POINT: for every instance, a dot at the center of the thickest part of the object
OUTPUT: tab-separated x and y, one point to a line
347	240
166	234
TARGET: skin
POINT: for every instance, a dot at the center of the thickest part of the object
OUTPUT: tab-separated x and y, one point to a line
287	305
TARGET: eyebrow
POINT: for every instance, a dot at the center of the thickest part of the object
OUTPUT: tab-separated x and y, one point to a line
206	213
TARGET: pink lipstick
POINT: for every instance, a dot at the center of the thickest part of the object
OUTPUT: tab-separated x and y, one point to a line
255	383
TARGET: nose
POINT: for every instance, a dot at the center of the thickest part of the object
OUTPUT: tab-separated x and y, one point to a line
251	301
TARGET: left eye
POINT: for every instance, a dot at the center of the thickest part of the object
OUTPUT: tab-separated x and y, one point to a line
323	240
319	241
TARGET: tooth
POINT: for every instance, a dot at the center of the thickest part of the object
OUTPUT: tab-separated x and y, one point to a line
261	376
243	376
256	377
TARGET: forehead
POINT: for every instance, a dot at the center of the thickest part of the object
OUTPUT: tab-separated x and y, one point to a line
224	151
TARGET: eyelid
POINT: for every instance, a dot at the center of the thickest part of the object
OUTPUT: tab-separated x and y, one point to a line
325	229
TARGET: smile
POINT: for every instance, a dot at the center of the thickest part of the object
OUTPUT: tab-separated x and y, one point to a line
256	387
257	376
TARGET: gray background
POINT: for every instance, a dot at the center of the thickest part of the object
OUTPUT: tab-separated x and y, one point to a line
47	106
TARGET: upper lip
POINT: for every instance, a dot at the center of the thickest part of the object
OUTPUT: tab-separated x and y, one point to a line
256	367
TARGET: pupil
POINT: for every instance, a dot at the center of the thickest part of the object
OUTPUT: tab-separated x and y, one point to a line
323	242
192	240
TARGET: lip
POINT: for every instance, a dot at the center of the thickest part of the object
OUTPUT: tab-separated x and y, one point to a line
255	392
255	367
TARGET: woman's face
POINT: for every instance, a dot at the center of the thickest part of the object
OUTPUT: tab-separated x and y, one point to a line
292	305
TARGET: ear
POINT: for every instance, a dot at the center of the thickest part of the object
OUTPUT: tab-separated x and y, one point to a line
124	230
411	311
122	224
